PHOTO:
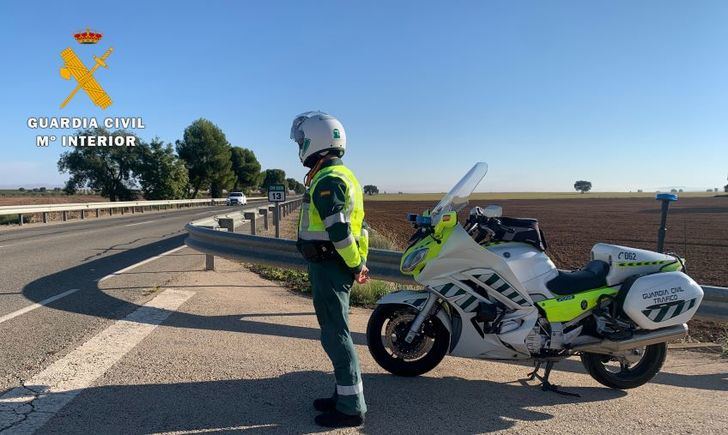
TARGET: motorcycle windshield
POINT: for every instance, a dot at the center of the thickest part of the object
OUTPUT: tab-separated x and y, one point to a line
457	197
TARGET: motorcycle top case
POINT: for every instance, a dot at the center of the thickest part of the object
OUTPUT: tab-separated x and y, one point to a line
662	299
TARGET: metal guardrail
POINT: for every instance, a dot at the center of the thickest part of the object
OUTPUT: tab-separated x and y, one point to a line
121	206
383	264
217	235
715	303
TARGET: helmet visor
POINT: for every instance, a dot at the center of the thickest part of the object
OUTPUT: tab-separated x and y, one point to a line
296	132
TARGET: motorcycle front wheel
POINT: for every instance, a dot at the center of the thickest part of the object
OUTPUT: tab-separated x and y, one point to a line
388	326
624	374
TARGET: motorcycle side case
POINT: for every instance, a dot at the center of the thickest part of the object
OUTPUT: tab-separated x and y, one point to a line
662	299
625	261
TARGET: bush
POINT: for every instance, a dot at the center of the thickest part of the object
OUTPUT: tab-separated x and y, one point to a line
368	294
8	219
293	279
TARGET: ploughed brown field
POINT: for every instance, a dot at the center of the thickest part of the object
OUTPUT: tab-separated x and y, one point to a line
697	227
48	199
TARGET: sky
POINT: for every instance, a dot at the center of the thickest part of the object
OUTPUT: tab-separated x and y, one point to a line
626	94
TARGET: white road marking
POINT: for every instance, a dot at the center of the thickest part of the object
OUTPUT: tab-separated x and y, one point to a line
221	429
27	408
32	307
126	269
139	223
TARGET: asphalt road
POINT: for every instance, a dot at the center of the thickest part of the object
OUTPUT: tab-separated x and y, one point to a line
167	347
39	262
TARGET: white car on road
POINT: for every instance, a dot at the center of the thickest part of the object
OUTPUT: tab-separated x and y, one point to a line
236	198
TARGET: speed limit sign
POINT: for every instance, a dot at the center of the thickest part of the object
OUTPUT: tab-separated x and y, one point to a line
277	193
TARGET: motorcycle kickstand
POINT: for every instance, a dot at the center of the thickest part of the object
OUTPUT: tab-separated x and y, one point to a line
545	384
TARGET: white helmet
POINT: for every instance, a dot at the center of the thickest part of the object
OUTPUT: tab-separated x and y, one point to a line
316	134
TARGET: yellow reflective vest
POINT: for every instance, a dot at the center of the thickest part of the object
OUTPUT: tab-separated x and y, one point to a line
341	220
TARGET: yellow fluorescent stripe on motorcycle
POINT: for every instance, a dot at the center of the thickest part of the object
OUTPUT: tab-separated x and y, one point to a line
569	307
645	263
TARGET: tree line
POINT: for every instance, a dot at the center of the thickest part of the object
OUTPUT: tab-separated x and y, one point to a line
203	160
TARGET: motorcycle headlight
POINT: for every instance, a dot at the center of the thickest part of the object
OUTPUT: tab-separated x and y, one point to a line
413	259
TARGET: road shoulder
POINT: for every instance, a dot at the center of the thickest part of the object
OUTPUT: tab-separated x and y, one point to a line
243	354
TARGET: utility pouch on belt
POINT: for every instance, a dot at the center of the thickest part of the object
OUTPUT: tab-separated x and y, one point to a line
316	252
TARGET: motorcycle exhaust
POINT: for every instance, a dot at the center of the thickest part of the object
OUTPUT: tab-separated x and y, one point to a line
640	339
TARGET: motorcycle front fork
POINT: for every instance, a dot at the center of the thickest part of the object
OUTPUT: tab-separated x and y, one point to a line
424	313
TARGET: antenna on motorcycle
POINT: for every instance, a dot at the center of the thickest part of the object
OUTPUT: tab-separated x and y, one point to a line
666	199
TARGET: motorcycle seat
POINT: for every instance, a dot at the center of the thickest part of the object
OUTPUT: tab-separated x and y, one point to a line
593	275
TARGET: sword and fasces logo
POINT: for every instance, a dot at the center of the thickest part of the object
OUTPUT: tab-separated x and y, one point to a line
73	67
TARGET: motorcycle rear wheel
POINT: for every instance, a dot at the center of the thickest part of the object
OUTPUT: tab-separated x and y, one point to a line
386	331
631	376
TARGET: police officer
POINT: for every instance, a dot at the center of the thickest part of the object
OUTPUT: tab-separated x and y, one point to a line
333	238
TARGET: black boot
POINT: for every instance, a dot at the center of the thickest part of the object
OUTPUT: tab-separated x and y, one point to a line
336	419
325	405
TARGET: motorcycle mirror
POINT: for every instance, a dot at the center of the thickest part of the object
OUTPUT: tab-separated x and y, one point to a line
493	211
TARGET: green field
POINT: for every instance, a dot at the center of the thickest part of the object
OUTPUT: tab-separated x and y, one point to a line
485	196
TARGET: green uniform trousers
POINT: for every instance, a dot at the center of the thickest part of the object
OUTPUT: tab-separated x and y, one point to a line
331	281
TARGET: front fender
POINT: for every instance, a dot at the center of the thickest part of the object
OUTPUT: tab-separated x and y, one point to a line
415	299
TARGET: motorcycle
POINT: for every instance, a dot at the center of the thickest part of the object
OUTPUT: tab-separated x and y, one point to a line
492	292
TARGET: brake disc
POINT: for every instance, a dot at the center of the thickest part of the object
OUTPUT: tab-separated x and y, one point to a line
395	333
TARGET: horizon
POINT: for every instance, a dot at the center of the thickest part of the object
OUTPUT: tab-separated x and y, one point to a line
628	96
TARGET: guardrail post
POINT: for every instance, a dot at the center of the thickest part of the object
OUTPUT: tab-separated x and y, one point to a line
83	214
20	219
122	211
141	209
133	210
64	215
45	217
277	220
251	216
227	223
97	213
209	262
264	212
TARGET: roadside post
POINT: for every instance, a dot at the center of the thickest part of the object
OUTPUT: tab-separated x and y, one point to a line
264	212
666	199
251	217
277	194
